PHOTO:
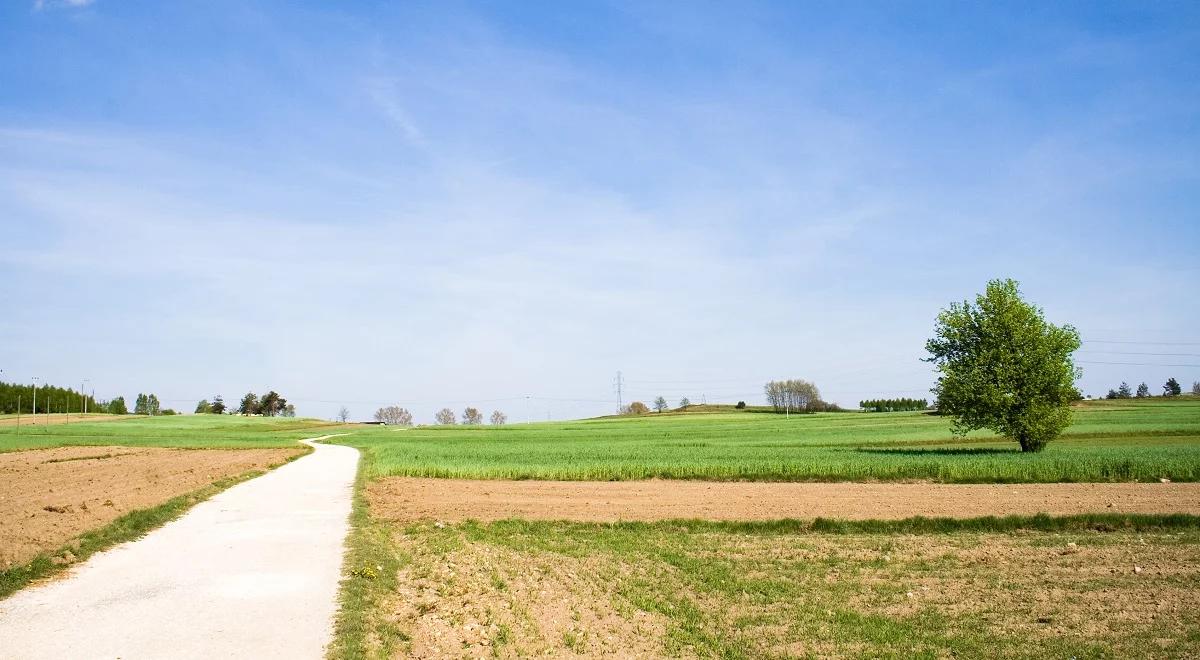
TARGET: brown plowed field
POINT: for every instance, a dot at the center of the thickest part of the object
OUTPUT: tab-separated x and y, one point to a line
403	498
49	496
41	419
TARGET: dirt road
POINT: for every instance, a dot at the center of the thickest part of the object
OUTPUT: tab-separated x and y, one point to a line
453	500
252	572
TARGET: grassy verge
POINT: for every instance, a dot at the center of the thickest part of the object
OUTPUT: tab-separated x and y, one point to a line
1082	586
371	566
131	526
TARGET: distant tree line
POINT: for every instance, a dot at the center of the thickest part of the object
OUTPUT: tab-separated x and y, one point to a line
470	417
893	405
49	399
270	404
1170	388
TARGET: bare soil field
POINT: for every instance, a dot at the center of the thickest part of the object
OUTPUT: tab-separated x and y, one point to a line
59	418
513	590
50	496
452	500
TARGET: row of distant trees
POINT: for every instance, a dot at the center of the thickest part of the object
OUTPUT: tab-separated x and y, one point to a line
1170	388
49	399
397	416
270	404
893	405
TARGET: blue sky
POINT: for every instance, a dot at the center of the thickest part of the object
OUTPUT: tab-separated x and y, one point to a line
449	203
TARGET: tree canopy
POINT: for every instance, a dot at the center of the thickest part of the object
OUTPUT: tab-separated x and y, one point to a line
1004	368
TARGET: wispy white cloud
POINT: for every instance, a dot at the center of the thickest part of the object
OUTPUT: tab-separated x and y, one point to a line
39	5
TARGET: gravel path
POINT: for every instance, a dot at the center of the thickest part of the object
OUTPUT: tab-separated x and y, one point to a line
252	572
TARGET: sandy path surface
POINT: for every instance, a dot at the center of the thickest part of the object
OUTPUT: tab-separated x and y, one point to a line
50	496
251	573
402	498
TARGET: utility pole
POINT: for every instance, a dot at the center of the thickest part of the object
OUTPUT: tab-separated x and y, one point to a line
18	415
35	380
620	397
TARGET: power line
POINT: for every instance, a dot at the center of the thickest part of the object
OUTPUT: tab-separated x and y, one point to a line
1140	364
1144	343
1141	353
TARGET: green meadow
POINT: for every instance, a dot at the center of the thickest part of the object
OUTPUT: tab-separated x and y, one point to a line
1130	440
183	431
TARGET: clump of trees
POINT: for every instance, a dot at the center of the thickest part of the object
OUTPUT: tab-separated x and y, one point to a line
147	404
445	417
394	416
499	418
893	405
270	405
472	417
794	396
741	405
49	399
1122	392
116	406
635	408
1003	367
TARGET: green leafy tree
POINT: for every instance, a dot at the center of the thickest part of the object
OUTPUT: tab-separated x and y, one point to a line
152	405
271	404
1003	367
218	405
660	404
141	405
117	406
1143	391
1124	392
249	404
1172	388
204	407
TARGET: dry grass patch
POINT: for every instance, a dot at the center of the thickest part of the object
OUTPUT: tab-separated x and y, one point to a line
516	588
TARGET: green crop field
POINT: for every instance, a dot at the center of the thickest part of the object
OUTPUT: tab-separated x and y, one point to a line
1109	441
187	431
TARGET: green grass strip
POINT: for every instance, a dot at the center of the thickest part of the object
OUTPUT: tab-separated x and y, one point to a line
370	571
131	526
1098	522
